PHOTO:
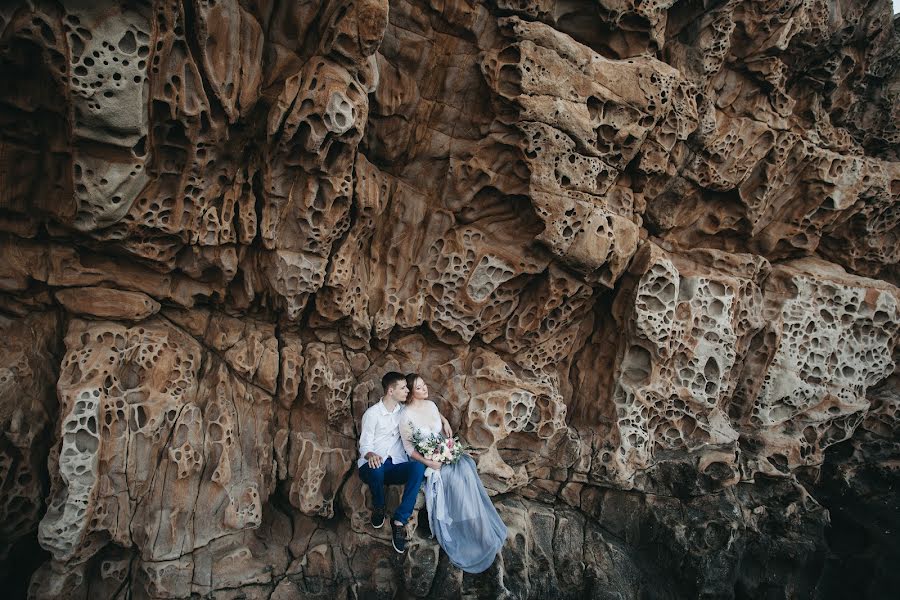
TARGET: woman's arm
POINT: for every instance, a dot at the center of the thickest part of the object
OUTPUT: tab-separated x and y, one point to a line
428	463
406	436
448	431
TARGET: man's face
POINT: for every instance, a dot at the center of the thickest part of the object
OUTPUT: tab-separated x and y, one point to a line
399	391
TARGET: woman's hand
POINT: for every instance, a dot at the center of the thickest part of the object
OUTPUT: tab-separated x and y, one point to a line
448	432
433	464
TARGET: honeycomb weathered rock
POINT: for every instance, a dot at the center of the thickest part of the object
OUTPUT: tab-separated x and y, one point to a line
643	253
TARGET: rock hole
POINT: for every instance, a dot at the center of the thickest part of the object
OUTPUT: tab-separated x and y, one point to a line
85	442
711	370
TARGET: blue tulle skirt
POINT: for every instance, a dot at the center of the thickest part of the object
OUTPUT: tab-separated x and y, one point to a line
462	516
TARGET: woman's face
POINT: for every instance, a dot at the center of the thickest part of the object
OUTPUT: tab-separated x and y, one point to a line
420	390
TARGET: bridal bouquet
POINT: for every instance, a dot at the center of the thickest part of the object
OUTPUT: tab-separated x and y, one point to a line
436	447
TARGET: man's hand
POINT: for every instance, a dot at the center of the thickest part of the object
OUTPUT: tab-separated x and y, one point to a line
374	460
448	432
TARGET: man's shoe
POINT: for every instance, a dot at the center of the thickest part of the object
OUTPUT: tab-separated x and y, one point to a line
377	518
398	537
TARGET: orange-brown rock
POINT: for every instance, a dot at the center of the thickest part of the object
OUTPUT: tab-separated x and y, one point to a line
107	303
644	254
28	410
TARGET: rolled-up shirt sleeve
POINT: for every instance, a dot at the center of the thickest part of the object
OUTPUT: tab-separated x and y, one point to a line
367	435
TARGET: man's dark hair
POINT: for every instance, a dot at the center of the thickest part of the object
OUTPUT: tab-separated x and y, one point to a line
390	379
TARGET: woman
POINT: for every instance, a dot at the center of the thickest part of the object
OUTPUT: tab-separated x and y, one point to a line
460	513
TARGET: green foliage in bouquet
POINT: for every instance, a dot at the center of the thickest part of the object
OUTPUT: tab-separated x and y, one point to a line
434	446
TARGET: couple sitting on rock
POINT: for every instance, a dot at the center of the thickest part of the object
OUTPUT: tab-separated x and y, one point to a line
460	513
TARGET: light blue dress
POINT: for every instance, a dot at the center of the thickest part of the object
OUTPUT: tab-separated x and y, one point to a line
460	513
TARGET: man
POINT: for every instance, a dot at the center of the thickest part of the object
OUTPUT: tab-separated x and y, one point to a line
384	461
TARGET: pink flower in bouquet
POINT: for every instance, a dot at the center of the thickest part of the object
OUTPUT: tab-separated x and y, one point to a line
450	443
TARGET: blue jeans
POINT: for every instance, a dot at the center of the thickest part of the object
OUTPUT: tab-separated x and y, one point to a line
411	473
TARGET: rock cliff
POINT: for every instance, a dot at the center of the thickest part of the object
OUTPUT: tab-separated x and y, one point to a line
644	253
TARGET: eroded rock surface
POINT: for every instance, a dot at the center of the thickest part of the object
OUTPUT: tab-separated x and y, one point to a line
27	415
645	255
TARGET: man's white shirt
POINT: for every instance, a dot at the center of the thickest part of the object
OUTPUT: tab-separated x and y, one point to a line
381	434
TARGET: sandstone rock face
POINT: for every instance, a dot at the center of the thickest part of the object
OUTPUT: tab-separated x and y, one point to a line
644	255
28	412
